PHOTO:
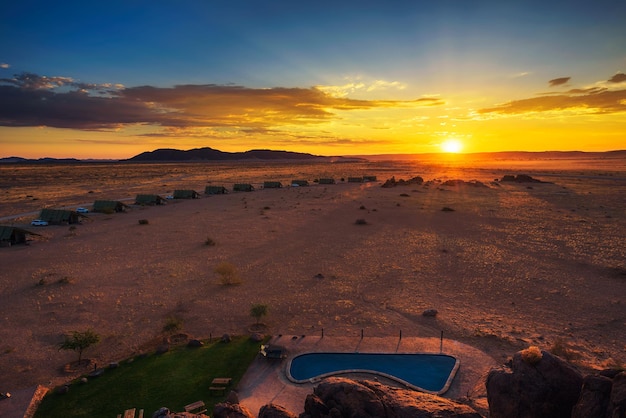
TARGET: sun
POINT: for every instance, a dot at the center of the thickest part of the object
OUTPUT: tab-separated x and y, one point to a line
452	146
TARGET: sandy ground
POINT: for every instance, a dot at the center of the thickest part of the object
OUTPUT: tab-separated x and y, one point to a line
513	265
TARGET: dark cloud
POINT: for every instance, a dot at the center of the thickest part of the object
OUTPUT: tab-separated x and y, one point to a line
32	100
594	99
558	81
617	78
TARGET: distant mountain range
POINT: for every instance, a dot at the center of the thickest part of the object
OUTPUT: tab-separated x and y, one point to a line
210	154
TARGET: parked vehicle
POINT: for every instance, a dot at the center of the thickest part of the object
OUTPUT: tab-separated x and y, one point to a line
39	222
82	210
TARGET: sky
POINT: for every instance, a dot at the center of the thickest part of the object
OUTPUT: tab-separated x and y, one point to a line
114	79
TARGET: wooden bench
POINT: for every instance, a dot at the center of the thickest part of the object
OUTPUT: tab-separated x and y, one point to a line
196	408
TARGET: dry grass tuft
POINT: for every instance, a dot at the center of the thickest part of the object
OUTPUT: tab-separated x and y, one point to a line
532	355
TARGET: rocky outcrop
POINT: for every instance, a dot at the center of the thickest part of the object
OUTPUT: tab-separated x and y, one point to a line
339	397
594	397
275	411
231	410
537	385
392	182
520	178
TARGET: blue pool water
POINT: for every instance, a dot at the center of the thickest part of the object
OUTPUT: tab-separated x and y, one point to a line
428	372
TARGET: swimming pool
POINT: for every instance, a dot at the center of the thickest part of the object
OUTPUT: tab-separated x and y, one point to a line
432	373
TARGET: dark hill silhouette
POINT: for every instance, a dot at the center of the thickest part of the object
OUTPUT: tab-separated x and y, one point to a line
203	154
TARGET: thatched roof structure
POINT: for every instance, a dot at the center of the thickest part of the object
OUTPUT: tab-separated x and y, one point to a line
11	235
108	206
272	185
149	199
59	216
186	194
215	190
243	187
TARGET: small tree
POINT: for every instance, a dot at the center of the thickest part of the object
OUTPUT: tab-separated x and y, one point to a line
258	311
79	341
228	273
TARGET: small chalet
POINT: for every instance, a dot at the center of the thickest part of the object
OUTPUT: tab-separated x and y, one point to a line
109	206
10	235
149	199
299	183
272	185
215	190
59	216
355	179
243	187
327	181
186	194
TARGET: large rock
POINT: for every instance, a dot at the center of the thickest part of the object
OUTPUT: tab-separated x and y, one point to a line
275	411
339	397
617	404
539	386
594	397
231	410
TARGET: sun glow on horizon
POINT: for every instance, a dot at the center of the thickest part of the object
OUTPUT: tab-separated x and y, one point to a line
452	146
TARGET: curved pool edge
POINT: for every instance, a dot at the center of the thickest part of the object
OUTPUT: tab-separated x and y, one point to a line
320	377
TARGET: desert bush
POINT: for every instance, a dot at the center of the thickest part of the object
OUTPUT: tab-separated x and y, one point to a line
447	209
257	311
404	195
79	341
143	222
561	349
172	324
65	280
41	282
209	242
362	207
228	274
360	221
531	355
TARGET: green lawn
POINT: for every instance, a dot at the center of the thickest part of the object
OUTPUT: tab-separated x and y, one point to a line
173	379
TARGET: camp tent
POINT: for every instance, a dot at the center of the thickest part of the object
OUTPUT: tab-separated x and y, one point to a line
59	216
300	183
327	181
215	190
243	187
149	199
10	235
272	185
186	194
108	206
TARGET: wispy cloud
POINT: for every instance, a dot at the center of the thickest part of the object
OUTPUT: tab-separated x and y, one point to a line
33	100
558	81
4	65
617	78
595	99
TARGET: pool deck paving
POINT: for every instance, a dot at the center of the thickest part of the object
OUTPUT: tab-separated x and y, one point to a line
266	379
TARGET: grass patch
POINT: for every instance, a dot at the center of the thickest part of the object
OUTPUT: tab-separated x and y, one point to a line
173	379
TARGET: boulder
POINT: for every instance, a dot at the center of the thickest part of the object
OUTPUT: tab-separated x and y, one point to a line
226	338
617	403
275	411
194	343
161	412
539	385
430	312
340	397
231	410
594	397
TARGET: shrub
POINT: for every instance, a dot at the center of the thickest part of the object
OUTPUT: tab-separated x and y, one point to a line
258	311
172	324
209	242
228	274
360	221
531	355
143	222
447	209
79	341
561	349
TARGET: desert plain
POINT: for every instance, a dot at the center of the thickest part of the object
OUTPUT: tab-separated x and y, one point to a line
507	266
